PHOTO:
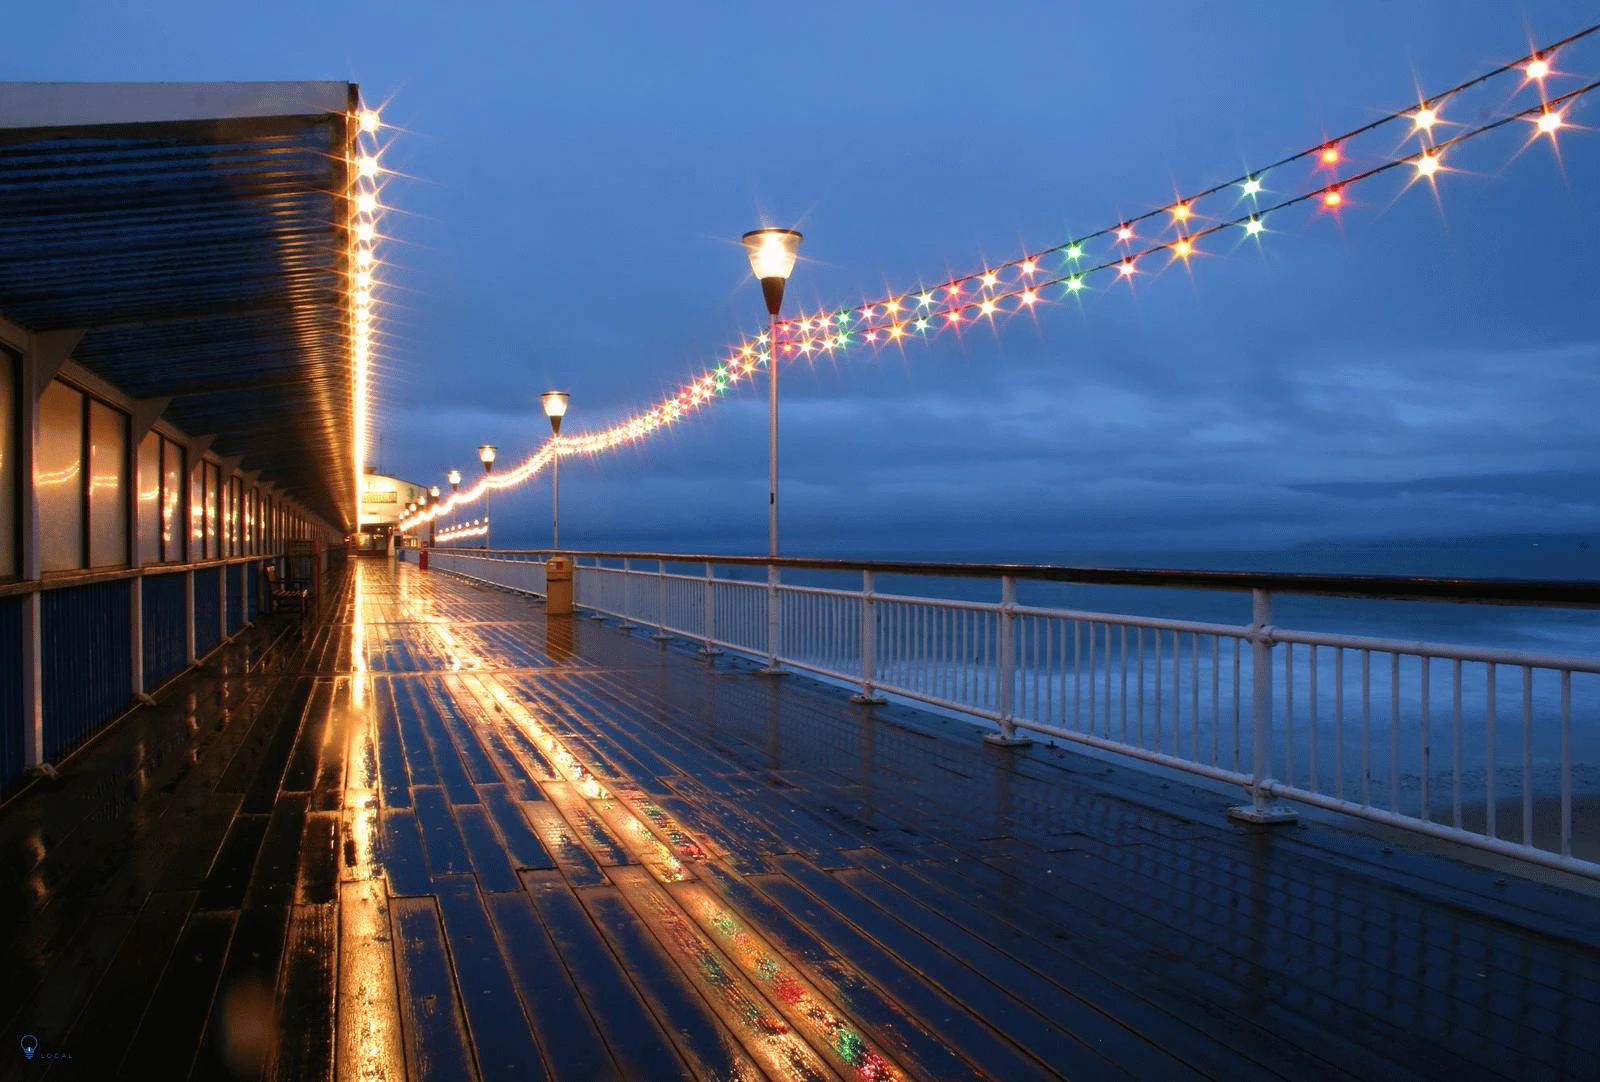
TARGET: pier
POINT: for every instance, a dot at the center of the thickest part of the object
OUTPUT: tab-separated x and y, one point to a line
439	834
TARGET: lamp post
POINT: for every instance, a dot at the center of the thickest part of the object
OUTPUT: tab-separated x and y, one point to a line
433	498
772	254
486	455
454	477
555	408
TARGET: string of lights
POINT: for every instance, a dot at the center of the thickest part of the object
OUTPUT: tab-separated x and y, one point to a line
362	212
475	528
1124	250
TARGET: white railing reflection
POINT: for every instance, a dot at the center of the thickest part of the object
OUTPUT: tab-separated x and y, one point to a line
1474	744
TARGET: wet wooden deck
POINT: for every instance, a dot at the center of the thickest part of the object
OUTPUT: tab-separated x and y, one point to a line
436	838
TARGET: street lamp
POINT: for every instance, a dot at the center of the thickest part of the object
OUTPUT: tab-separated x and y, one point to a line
555	408
486	455
772	254
433	498
454	477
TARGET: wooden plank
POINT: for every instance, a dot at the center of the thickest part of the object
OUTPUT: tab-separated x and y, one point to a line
242	1027
634	1037
169	1033
467	739
453	777
1104	1032
561	841
300	775
564	1028
489	861
1220	1042
701	1032
413	738
435	1032
307	998
401	855
395	779
500	1032
521	844
317	879
909	1039
934	1009
369	1045
225	883
487	726
441	836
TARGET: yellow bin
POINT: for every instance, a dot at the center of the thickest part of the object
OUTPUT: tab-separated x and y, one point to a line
558	586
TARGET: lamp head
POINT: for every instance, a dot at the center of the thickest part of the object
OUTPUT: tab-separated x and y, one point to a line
772	254
555	408
486	455
454	477
434	491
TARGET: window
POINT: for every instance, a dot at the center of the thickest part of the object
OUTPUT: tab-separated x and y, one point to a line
58	478
213	510
172	473
197	511
149	499
81	481
8	464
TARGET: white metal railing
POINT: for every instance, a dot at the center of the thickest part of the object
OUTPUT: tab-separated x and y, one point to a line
1469	743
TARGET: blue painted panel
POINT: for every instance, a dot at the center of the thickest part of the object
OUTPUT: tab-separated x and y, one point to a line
235	598
11	714
253	601
166	648
86	658
207	610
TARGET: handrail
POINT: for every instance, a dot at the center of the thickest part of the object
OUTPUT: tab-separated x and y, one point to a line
1401	731
1547	593
66	580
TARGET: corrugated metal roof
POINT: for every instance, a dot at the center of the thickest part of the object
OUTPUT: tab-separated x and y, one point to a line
207	260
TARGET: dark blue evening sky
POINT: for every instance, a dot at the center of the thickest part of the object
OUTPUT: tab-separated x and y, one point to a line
575	179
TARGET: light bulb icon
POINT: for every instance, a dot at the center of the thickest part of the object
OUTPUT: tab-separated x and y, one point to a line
30	1045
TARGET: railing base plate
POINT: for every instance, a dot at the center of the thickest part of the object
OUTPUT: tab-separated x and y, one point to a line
661	636
1275	812
772	670
1001	740
709	651
867	700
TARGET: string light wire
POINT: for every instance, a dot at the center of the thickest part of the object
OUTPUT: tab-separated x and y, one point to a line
923	311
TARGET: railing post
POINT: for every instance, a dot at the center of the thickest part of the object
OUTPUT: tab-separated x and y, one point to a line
708	624
136	637
627	592
188	616
868	695
1007	737
1263	806
599	580
772	668
661	602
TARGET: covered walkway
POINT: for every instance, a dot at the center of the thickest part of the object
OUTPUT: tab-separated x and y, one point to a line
439	837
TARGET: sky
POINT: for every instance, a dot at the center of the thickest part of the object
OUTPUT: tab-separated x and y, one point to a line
569	183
